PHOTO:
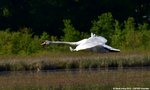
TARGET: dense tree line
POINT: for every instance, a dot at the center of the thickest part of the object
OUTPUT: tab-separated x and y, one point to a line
125	37
25	23
49	15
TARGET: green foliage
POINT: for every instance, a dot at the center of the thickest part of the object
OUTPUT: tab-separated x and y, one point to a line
104	26
71	34
54	38
84	35
5	40
6	12
128	32
128	37
125	36
18	42
116	40
145	35
44	36
146	39
133	37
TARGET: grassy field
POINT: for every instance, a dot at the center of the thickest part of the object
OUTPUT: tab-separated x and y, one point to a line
75	80
74	60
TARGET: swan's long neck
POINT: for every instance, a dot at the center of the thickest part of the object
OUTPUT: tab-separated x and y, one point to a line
68	43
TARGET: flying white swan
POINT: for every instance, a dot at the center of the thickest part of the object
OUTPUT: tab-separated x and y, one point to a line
47	42
93	43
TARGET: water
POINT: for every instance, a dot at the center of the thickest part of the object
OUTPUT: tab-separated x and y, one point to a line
101	78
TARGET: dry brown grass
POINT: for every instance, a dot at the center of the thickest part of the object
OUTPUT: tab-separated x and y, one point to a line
75	60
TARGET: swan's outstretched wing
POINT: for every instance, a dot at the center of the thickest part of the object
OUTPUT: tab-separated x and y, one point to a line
91	42
81	41
86	46
98	39
84	40
94	42
110	48
90	46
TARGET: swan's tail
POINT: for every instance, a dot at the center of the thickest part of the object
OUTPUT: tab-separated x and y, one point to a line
71	49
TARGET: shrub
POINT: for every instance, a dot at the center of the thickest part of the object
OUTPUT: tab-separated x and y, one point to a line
116	40
104	26
5	39
44	36
22	42
128	32
145	35
71	34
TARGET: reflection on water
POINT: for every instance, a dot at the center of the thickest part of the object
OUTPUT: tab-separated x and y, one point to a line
113	77
75	71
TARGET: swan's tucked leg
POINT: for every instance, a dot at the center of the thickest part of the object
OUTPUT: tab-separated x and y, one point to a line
71	49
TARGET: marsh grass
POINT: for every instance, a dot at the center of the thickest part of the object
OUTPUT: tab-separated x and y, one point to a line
75	60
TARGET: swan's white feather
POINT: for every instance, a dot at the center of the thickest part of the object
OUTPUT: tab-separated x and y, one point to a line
110	48
89	43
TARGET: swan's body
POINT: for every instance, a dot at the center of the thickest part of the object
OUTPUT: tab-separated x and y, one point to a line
94	43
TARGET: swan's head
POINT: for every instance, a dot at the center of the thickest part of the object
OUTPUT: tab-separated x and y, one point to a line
46	42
